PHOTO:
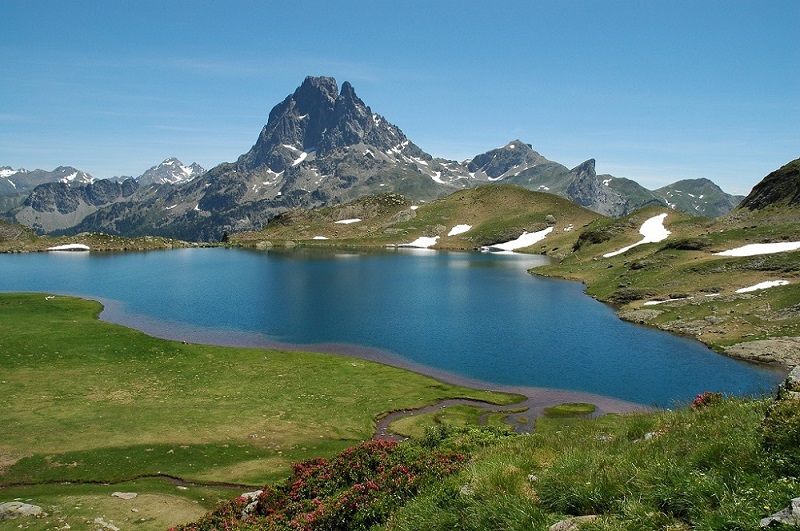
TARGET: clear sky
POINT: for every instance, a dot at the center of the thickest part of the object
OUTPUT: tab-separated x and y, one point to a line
656	91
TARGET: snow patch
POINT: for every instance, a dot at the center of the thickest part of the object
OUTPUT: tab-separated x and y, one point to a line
170	207
69	247
7	172
754	249
319	238
652	230
653	303
763	285
348	221
300	159
423	242
459	229
526	240
414	207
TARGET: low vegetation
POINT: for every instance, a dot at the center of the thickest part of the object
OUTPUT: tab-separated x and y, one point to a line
93	403
720	464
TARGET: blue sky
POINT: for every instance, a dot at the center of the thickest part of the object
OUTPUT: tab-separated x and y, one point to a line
654	91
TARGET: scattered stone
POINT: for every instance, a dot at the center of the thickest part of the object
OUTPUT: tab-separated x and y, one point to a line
252	499
639	316
15	509
105	525
550	219
466	490
788	516
124	495
573	524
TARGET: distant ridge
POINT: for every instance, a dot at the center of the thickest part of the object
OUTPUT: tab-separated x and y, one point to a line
322	147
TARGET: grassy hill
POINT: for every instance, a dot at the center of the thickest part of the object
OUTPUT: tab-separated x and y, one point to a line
496	213
18	238
683	285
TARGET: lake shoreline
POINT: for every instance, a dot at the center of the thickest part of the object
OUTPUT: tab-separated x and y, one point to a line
536	397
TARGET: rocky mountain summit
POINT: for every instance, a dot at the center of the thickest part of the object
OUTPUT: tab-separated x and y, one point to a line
171	171
21	180
323	146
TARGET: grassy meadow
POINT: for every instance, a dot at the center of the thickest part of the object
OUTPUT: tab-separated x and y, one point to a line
106	408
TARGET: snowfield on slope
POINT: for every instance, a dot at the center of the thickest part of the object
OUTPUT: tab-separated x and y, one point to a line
652	230
525	240
459	229
754	249
763	285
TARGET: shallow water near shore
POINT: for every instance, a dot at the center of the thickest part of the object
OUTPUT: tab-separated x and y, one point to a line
473	316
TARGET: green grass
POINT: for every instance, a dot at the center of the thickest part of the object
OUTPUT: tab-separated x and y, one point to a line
497	213
84	400
687	469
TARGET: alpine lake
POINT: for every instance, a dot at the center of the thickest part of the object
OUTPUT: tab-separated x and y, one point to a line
479	318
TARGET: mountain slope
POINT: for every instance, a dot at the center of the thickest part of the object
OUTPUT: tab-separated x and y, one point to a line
698	196
684	285
779	188
467	219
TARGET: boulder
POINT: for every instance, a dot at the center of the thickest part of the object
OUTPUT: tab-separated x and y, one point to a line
573	524
16	509
788	516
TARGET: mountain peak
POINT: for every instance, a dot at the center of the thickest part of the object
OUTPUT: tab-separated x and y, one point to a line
170	171
316	117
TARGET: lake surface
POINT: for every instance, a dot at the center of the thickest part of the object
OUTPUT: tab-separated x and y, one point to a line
475	315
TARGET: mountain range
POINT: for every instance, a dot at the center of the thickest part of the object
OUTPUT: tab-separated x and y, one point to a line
324	146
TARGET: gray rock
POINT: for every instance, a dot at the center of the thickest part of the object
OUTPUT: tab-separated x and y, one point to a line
124	495
573	524
11	510
784	350
788	516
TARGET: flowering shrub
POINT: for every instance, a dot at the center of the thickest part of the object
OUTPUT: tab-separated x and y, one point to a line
706	399
356	489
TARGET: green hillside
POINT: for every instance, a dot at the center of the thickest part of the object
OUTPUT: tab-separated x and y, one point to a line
496	214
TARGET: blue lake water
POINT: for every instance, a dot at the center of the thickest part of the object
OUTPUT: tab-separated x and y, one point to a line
476	315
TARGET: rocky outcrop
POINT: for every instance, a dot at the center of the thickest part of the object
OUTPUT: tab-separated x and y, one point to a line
783	350
587	191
